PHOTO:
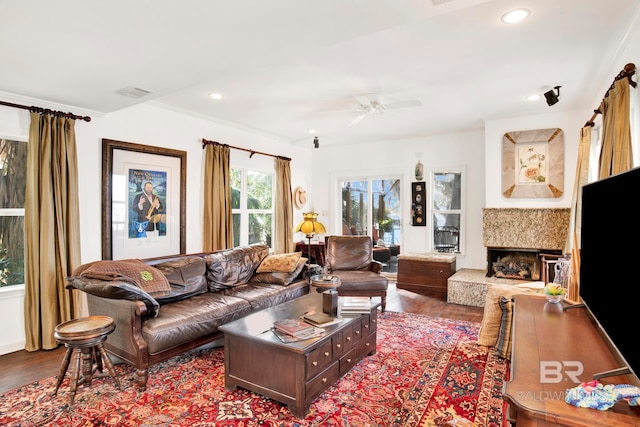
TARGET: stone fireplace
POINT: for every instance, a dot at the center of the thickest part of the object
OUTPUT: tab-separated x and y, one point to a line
516	238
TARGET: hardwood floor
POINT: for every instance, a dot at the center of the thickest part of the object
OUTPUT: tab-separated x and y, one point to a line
22	367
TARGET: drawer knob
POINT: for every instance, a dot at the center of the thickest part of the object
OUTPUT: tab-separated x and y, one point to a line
357	332
326	353
324	380
348	360
367	345
365	326
373	321
339	345
348	338
314	363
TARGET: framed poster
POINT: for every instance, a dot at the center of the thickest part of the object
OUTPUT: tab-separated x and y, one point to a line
143	200
533	163
418	203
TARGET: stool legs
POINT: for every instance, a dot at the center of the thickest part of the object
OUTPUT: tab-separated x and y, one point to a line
81	361
103	356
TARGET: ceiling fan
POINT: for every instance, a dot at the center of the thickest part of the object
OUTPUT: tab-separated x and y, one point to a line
369	104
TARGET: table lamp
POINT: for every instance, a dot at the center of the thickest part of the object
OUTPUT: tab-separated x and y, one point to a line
310	227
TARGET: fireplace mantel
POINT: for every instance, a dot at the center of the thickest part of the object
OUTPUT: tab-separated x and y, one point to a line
526	228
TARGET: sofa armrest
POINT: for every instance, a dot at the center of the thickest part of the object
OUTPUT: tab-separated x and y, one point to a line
126	341
115	290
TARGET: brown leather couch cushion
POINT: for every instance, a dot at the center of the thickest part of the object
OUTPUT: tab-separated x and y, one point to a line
283	279
234	267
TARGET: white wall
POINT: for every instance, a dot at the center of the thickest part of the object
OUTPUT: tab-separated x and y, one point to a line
149	125
399	158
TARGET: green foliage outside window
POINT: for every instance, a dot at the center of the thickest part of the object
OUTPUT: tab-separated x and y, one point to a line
13	161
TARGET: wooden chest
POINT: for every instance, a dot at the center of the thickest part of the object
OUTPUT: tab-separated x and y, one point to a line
425	272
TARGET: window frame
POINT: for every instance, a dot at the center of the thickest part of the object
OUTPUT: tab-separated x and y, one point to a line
431	209
14	212
245	212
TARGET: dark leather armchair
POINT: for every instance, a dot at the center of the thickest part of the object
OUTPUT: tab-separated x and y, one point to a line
351	259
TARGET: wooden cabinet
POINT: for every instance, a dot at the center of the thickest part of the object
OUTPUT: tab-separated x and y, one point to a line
570	341
425	272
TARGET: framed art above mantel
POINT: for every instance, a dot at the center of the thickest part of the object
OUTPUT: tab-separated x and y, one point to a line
143	200
533	163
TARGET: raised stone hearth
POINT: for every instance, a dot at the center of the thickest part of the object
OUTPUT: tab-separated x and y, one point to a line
504	229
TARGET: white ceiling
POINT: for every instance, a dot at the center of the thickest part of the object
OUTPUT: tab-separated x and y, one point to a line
287	66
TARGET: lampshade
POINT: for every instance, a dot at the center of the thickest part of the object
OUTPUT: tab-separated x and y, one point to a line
310	226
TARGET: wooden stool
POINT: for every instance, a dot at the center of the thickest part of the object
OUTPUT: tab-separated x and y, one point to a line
83	338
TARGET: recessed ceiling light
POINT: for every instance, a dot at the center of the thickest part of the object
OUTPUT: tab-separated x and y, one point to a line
311	131
533	97
515	16
215	95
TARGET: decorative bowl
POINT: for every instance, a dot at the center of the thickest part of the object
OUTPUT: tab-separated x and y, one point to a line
554	292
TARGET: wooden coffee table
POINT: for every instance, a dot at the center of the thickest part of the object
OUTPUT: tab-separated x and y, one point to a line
298	372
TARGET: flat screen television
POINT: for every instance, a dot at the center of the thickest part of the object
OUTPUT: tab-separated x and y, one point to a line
610	261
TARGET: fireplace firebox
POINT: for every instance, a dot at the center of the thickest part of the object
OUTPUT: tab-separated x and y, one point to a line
517	263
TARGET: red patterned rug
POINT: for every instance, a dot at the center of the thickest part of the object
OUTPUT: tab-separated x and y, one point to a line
426	372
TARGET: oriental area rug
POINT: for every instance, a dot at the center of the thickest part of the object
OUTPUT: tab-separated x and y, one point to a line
426	372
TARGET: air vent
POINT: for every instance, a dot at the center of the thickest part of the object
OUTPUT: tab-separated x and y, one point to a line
133	92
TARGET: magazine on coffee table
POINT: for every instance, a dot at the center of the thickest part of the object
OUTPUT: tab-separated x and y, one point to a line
286	338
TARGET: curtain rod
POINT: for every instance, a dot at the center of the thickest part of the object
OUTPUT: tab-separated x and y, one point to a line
206	142
47	111
628	71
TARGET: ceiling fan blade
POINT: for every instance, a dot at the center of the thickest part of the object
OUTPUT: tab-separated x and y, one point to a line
404	104
362	100
357	119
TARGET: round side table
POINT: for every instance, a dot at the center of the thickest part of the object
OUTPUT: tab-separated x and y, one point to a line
325	282
83	338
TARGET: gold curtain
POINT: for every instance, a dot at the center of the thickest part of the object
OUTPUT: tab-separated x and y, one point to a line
51	224
283	227
615	156
218	224
575	222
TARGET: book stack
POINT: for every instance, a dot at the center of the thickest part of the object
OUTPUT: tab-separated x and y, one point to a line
290	330
355	305
320	319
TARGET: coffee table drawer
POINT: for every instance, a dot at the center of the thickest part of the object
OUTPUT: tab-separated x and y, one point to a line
323	381
348	361
319	359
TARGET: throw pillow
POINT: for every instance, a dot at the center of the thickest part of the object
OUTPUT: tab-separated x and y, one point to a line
279	263
503	343
283	279
132	271
490	325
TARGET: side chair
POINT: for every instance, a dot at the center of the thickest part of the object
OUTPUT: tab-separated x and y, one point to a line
351	259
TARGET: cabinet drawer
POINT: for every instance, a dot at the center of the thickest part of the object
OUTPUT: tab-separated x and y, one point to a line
319	359
367	346
338	345
323	381
348	361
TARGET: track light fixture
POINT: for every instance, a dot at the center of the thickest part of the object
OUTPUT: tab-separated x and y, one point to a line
552	97
316	142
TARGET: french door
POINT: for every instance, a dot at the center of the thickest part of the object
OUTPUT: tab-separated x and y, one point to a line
372	207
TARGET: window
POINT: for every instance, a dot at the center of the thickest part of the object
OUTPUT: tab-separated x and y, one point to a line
251	206
13	170
447	211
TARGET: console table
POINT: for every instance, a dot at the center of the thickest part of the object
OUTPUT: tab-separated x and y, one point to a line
542	331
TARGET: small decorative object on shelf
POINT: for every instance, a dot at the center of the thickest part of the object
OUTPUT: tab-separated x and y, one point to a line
554	292
419	171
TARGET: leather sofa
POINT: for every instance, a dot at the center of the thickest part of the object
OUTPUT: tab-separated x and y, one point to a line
206	290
